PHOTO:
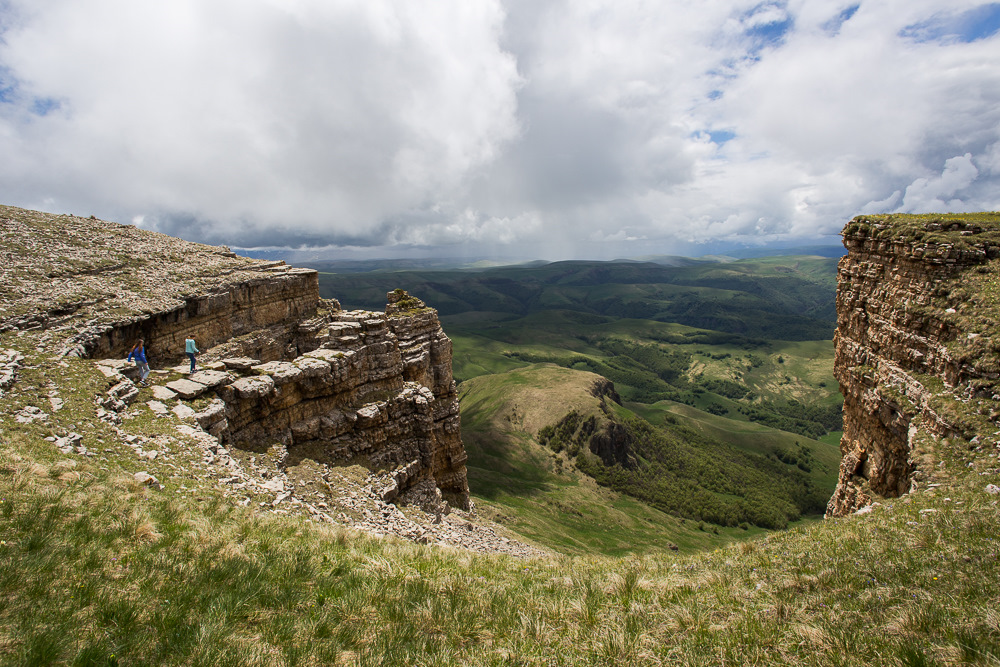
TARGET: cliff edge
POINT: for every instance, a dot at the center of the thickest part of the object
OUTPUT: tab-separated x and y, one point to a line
297	405
917	349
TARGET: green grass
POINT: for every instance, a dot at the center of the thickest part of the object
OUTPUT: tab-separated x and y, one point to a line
775	371
749	436
98	570
742	297
541	495
678	467
566	315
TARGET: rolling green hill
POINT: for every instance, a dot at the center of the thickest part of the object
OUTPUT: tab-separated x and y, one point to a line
698	475
740	297
725	370
540	493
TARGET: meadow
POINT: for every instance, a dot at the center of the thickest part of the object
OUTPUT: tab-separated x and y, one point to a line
99	569
707	386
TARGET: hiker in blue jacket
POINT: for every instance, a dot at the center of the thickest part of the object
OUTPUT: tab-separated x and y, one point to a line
138	353
191	349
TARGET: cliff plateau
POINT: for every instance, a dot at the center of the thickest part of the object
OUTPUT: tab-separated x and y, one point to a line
917	351
297	405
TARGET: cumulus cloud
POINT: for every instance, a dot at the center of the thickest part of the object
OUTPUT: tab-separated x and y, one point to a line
297	119
552	129
926	195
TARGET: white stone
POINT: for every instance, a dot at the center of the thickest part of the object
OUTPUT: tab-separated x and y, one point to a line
209	378
183	411
275	485
163	394
148	480
187	388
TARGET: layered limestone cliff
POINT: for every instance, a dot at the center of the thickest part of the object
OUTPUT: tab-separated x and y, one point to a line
283	368
916	352
374	389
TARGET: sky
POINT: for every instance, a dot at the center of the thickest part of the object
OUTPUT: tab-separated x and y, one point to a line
499	128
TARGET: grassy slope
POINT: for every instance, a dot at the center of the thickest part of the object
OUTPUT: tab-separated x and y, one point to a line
538	494
485	340
98	570
807	366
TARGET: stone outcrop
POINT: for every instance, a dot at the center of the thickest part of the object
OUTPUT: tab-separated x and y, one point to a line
915	355
100	285
378	389
280	367
281	299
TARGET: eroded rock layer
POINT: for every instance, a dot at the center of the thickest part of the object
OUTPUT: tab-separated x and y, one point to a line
914	339
376	389
282	368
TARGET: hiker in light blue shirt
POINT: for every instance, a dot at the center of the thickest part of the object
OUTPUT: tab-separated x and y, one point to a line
191	349
138	353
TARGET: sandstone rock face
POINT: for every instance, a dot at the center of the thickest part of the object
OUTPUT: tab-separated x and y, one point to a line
902	345
372	388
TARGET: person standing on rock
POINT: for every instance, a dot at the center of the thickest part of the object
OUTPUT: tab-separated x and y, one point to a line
191	349
138	353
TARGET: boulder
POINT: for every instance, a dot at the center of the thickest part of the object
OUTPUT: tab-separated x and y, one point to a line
210	379
187	389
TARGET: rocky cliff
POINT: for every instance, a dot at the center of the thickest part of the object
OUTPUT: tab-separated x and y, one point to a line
916	349
281	367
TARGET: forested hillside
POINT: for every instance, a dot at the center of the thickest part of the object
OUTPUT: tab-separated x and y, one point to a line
740	297
724	370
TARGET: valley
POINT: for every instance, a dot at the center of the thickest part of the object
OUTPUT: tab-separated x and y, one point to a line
718	403
305	506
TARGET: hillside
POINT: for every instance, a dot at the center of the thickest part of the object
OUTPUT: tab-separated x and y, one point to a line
740	297
298	407
542	494
104	567
693	397
577	418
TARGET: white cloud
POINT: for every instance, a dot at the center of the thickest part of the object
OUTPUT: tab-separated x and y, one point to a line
926	195
327	117
559	128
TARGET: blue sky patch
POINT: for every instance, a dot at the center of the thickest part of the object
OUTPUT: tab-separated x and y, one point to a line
8	86
769	23
718	137
977	23
833	26
43	105
721	136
